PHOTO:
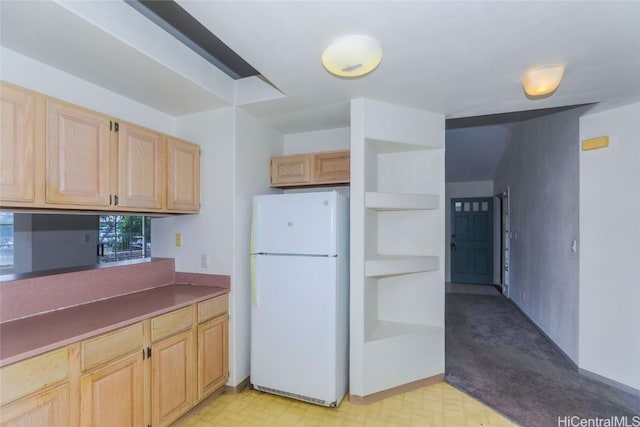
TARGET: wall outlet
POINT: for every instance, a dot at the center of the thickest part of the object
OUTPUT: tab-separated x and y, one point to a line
204	261
178	240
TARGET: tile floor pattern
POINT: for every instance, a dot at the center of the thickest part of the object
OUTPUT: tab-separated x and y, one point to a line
436	405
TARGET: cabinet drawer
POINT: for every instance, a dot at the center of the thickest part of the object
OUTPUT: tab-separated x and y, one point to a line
33	374
96	351
171	323
212	308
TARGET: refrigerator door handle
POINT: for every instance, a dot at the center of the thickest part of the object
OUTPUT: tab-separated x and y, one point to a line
254	286
254	291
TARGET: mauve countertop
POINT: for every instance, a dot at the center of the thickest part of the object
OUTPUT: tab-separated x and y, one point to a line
30	336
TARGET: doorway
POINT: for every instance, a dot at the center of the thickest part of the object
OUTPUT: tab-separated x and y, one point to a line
472	240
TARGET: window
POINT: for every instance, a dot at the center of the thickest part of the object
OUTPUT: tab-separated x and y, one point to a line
123	237
6	240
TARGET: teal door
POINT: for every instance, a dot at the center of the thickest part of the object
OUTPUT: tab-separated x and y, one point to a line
472	240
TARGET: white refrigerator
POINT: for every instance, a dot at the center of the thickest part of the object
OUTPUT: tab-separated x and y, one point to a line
300	296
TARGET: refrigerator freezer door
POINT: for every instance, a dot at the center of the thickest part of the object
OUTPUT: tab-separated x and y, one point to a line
293	326
296	223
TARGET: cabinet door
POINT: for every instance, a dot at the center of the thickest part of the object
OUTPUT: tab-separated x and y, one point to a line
17	144
45	408
171	378
213	358
114	394
183	176
140	167
290	170
78	152
332	167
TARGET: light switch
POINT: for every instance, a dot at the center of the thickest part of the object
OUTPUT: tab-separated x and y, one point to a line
178	240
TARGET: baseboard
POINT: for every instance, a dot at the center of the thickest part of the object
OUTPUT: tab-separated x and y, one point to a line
229	389
581	371
544	334
371	398
609	381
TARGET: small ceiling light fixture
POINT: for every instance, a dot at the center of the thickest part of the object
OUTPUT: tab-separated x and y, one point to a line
352	56
540	82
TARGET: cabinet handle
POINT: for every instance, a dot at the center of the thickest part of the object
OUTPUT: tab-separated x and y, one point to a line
115	200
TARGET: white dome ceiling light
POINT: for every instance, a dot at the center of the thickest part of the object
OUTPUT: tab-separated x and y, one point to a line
541	82
352	56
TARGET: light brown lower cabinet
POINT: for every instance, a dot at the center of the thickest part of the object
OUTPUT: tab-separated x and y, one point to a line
113	395
172	368
213	364
148	373
48	407
35	392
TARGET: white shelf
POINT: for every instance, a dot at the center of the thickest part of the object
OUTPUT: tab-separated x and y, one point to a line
400	201
386	146
391	265
387	330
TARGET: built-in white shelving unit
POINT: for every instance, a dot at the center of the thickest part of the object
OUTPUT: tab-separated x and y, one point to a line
398	201
391	265
397	246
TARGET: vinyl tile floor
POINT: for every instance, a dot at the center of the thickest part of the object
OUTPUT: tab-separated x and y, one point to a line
435	405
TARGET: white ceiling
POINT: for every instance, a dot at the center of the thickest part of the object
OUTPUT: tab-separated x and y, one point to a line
457	58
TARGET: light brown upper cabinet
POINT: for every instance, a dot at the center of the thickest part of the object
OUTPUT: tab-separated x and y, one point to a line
22	116
311	169
332	167
140	167
56	155
290	170
79	157
183	175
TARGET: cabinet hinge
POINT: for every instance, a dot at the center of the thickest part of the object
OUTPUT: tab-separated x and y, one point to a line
116	126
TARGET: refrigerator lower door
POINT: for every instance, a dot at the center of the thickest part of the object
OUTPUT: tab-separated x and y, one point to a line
293	327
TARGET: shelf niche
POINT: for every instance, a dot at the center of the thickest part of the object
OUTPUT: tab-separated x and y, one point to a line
397	245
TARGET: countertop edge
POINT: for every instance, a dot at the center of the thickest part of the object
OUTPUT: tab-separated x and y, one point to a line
215	292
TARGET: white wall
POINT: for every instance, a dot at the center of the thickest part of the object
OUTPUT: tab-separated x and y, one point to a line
320	140
460	189
254	146
30	74
209	233
541	167
609	255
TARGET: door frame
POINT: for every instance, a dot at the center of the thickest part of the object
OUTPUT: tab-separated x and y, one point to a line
503	224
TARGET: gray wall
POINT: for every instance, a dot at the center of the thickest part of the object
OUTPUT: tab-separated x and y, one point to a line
49	241
541	167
